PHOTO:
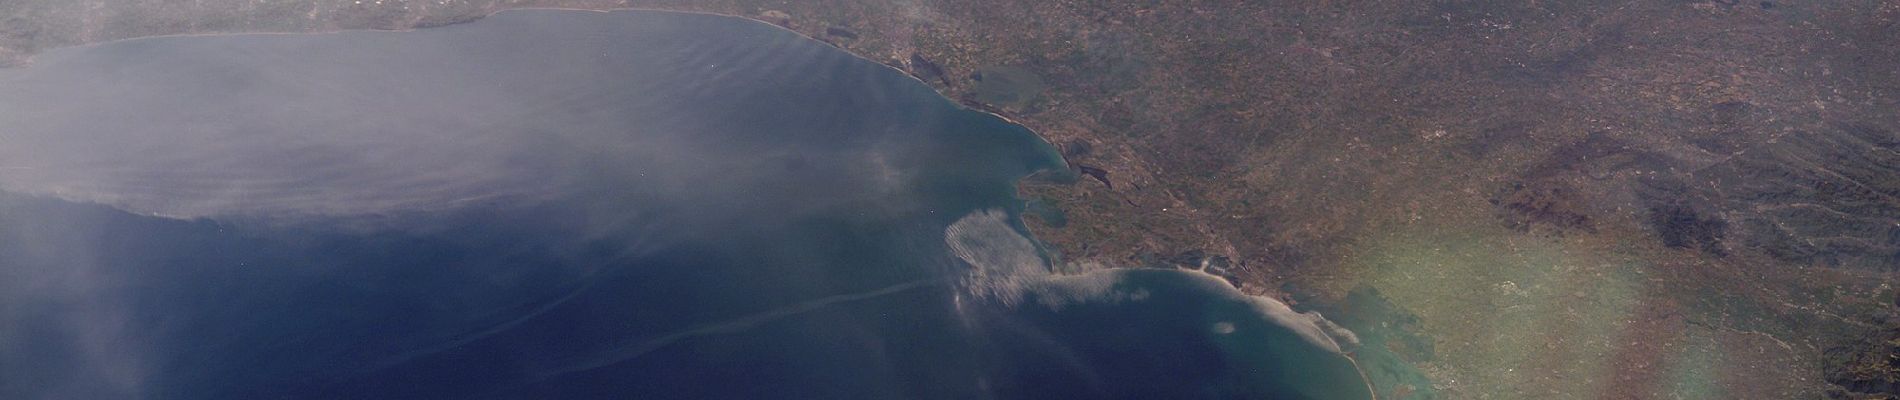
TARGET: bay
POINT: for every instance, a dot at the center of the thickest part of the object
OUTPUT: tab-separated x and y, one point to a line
563	204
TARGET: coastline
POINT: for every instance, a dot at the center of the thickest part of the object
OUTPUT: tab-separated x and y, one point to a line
1270	161
1048	146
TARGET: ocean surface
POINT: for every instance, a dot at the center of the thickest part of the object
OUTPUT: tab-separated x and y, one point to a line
564	204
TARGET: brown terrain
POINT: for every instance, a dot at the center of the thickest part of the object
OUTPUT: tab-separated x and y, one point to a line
1536	199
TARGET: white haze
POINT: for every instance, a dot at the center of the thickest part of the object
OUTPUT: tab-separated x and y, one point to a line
293	128
384	123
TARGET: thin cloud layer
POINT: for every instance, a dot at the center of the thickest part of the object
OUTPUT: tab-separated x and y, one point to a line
385	123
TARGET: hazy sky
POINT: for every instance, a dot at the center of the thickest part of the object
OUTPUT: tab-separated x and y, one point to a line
390	122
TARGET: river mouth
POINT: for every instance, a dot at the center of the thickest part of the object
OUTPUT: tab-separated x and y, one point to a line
552	204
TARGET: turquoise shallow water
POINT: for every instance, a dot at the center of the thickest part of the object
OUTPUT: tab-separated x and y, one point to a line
556	204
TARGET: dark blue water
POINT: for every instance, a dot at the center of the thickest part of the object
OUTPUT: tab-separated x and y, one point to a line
556	204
